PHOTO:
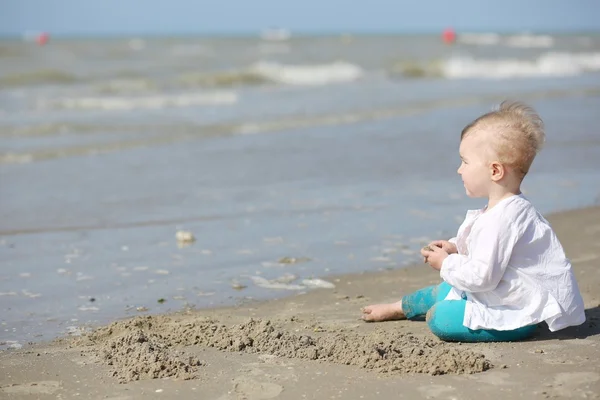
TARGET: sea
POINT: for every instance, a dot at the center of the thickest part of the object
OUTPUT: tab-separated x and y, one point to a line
280	163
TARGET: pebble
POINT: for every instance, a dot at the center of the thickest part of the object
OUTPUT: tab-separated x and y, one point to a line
185	237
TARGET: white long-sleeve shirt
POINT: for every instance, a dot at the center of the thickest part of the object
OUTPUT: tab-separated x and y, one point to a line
512	269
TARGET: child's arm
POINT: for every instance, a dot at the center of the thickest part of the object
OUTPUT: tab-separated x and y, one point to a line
491	249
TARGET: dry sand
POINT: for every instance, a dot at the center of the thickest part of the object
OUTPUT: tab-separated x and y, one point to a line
314	346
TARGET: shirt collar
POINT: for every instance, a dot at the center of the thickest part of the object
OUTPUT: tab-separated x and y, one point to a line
479	211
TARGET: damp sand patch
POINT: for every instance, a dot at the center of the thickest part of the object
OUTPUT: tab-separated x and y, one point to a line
151	347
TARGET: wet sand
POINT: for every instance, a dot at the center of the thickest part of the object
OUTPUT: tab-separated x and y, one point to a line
314	346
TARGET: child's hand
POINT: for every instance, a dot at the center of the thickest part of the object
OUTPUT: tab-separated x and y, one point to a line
448	247
434	256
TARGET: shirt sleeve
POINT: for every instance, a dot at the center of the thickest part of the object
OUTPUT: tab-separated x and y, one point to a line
490	251
452	240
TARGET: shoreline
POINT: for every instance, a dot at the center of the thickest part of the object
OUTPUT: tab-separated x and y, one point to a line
294	194
231	352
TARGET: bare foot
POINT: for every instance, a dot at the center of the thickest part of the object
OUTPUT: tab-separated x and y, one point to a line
383	312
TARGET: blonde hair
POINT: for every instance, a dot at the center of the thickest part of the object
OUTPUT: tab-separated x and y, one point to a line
516	133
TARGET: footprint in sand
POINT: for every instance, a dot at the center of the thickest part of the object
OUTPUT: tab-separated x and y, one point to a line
41	387
576	385
435	391
250	389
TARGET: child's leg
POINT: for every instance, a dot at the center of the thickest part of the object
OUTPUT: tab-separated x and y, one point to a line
445	321
418	303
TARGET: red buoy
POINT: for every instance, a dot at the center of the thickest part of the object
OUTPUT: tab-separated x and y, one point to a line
449	36
42	38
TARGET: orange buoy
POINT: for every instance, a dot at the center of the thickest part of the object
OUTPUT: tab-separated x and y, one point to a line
42	38
449	36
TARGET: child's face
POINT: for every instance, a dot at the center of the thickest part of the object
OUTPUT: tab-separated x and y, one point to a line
474	168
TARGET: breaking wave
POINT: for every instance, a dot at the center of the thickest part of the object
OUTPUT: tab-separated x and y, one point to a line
140	102
222	79
264	72
517	41
548	64
319	74
180	133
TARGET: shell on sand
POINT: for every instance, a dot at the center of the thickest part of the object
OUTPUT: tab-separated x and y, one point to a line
185	237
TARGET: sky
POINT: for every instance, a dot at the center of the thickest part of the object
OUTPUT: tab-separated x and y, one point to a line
185	17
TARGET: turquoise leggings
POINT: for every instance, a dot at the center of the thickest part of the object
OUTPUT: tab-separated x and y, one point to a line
445	317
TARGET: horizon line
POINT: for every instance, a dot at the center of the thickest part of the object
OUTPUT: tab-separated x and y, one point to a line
293	33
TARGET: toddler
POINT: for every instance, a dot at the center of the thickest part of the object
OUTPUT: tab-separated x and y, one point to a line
505	271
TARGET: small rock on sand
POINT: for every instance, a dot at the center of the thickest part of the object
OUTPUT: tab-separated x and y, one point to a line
185	237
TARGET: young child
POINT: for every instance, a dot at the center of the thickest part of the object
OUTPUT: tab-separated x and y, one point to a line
505	271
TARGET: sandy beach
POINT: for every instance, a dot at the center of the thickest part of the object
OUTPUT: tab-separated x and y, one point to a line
314	346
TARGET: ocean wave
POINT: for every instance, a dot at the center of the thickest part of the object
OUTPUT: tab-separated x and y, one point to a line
133	82
222	79
529	41
38	77
181	133
548	64
413	69
49	129
17	158
264	72
316	74
518	41
140	102
126	85
45	129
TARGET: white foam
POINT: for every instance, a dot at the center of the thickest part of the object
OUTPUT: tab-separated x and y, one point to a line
74	330
13	344
548	64
316	74
142	102
274	284
12	158
87	308
529	41
520	41
318	283
30	294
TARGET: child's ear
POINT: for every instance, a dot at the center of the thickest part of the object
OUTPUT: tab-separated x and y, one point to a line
497	171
